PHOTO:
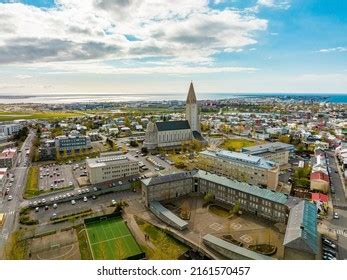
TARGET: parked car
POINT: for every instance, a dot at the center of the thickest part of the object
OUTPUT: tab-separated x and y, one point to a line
85	199
9	198
336	216
73	202
114	202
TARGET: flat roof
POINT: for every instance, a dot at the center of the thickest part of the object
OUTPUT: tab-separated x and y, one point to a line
268	147
157	206
273	196
234	248
241	158
104	161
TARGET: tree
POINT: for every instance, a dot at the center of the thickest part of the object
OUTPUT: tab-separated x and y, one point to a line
64	154
284	139
73	154
124	149
209	197
57	154
236	208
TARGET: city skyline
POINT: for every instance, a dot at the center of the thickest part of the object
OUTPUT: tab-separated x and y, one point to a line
130	46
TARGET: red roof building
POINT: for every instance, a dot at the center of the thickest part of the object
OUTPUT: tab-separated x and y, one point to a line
319	197
318	175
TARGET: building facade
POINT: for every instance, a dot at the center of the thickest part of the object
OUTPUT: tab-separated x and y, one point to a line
242	167
8	158
277	152
261	202
71	142
110	168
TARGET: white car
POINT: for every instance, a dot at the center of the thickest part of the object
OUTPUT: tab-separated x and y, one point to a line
70	184
9	198
120	182
73	202
114	202
55	206
79	191
336	216
51	199
85	199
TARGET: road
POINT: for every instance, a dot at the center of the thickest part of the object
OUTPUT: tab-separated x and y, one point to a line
340	206
11	208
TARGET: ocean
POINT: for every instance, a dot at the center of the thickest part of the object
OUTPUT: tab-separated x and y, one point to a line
58	98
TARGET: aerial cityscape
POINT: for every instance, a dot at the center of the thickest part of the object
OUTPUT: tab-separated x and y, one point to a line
172	131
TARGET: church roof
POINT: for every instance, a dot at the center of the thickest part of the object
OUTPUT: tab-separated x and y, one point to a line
191	98
172	125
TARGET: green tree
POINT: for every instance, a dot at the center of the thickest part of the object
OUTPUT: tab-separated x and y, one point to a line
209	197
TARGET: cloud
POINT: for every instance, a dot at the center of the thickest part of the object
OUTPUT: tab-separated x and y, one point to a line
337	49
279	4
188	32
23	77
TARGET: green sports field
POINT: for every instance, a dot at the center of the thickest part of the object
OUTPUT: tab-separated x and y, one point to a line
110	239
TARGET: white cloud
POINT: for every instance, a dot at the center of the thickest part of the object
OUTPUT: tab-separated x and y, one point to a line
23	77
281	4
188	32
337	49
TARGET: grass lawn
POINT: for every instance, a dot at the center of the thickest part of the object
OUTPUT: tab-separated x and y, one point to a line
32	184
10	116
83	243
219	211
167	248
111	240
237	144
16	248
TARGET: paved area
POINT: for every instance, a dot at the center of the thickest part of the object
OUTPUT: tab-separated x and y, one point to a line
55	176
10	208
62	245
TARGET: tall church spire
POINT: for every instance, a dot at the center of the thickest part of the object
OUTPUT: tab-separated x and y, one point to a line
192	110
191	98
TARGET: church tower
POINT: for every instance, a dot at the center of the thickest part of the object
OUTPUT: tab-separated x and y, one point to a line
192	110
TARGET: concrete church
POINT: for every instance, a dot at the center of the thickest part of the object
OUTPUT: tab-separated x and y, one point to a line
171	134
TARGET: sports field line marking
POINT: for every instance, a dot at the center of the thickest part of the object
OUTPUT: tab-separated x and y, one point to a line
90	244
111	239
108	244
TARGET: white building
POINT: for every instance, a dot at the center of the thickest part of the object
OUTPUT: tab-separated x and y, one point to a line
113	167
10	129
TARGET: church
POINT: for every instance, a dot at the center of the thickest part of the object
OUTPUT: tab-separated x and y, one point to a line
171	134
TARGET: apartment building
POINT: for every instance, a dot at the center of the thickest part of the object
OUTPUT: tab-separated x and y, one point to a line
72	142
8	158
110	168
242	167
277	152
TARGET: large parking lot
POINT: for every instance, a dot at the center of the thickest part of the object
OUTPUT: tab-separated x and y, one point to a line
54	176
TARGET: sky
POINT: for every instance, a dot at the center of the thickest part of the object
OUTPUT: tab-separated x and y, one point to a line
159	46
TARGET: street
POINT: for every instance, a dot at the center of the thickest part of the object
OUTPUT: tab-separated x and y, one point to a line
11	208
340	206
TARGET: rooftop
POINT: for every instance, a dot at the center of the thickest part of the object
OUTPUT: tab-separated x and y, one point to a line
233	248
168	214
168	178
104	161
242	158
269	147
301	232
172	125
244	187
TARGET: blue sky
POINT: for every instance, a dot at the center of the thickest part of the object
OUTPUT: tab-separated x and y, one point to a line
153	46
